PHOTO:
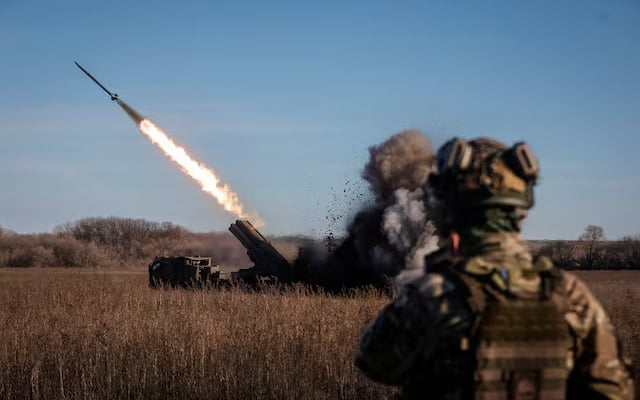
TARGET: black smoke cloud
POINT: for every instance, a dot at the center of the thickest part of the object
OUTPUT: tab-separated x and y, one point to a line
395	233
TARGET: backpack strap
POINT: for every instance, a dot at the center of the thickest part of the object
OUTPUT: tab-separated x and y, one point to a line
477	297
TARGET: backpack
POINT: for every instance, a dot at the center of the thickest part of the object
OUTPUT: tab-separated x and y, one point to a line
523	346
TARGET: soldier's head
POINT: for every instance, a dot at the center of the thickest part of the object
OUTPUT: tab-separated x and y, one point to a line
480	175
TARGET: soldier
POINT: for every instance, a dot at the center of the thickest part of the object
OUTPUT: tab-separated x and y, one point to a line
487	321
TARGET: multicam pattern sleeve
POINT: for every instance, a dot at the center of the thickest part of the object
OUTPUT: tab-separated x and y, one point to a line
600	370
404	332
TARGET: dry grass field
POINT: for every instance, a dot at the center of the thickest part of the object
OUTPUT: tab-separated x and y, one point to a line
619	293
78	334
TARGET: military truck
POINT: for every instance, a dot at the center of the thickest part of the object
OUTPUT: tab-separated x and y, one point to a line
183	272
269	265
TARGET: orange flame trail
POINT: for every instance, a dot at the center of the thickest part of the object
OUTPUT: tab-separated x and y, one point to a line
205	176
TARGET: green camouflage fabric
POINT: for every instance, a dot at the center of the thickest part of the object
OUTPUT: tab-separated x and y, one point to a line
418	342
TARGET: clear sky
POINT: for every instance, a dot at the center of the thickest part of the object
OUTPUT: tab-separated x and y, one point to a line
282	99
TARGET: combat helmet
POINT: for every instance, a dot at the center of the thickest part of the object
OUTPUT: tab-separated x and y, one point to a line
484	172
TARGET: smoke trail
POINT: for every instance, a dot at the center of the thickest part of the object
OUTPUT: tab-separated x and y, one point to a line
205	176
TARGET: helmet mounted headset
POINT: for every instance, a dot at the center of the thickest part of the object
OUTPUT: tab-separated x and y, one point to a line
484	172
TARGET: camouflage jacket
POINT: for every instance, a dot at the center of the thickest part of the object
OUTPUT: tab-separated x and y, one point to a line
415	342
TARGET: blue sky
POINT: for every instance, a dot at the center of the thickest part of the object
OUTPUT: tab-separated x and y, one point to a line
283	98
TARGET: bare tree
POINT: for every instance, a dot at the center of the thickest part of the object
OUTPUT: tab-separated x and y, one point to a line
591	239
592	233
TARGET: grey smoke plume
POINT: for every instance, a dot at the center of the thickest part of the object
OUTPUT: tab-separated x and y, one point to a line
398	170
408	228
405	160
404	220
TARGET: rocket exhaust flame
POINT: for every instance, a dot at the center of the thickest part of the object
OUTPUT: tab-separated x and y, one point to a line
207	179
205	176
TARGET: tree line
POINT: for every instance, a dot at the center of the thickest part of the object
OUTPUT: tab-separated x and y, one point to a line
592	250
114	242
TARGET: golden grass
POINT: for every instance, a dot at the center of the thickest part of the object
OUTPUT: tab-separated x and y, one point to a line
77	335
95	335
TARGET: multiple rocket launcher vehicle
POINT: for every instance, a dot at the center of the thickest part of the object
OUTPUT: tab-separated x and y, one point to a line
269	264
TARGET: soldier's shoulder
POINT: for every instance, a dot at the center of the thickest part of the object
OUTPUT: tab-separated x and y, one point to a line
440	277
431	285
575	288
584	311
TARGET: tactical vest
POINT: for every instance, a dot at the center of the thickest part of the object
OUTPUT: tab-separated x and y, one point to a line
522	345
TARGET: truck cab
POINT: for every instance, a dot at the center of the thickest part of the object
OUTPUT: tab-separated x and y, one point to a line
185	271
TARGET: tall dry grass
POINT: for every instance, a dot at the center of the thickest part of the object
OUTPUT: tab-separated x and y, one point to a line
80	334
